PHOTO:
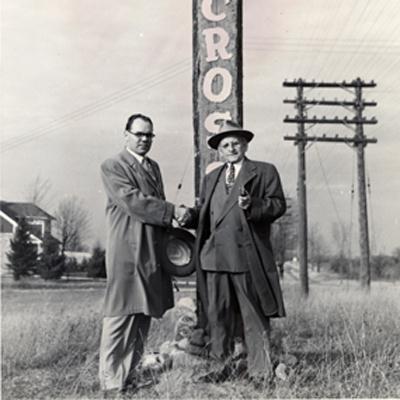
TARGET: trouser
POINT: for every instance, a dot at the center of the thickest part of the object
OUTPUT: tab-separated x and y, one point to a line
121	349
232	298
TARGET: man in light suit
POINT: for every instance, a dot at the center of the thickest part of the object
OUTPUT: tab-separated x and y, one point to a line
238	281
137	287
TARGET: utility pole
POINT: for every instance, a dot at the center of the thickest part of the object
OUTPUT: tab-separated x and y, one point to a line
359	140
365	270
302	193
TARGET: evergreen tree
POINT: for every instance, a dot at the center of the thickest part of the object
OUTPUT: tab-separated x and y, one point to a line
23	255
96	267
51	262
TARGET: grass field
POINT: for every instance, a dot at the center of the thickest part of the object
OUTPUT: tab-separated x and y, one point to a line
346	342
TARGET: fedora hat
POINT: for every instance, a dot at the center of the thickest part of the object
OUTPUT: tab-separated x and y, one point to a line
228	128
177	252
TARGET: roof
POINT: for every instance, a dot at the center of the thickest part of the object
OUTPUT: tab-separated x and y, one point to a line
18	210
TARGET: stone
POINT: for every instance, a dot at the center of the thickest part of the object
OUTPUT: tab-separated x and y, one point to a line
156	362
167	347
290	360
187	302
182	344
239	349
280	372
184	326
179	358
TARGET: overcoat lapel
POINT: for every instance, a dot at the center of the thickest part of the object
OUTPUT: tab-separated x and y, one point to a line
149	184
247	173
151	179
210	190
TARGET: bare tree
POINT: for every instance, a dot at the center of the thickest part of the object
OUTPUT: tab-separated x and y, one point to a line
342	239
340	235
38	191
317	245
284	235
72	223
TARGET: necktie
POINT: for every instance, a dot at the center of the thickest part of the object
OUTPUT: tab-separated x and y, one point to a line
148	168
230	177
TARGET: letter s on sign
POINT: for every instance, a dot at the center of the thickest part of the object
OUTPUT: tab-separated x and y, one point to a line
210	122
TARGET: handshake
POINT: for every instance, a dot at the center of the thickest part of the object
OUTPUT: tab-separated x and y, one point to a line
182	215
187	216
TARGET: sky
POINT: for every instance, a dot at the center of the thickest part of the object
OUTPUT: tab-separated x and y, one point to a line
72	71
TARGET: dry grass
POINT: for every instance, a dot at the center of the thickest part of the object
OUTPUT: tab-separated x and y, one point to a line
347	344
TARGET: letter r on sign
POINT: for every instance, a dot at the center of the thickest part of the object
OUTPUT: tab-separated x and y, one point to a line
215	46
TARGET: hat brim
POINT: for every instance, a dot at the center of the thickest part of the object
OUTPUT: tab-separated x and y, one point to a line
213	141
178	252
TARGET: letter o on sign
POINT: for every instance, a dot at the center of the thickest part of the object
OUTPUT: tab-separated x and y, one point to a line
226	84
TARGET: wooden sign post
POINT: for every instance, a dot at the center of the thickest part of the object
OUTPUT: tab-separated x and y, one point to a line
217	74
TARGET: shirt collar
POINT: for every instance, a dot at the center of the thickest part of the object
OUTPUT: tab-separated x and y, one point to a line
137	156
237	165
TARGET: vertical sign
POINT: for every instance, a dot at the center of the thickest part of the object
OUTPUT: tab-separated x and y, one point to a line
217	74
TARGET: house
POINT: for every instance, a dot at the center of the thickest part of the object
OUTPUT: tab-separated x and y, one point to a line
39	222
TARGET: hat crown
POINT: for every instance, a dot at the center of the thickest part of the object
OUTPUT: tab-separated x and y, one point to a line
228	126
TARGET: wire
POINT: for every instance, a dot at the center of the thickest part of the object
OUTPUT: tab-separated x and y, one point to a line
180	184
328	187
373	237
351	206
100	105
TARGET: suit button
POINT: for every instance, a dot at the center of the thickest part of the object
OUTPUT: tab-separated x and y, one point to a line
239	245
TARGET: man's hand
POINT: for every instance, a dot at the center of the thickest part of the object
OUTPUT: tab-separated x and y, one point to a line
181	214
244	199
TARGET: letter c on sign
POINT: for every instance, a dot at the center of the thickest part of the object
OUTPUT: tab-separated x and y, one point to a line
226	84
206	9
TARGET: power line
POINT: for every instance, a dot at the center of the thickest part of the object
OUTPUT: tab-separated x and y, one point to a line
337	41
371	214
329	189
376	19
351	205
92	108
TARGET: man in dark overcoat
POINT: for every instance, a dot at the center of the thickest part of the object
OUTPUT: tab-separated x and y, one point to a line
238	281
137	287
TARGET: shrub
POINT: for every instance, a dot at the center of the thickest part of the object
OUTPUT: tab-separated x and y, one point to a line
385	267
51	262
96	266
23	255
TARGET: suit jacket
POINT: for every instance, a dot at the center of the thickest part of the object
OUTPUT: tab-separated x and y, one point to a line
262	182
136	214
225	226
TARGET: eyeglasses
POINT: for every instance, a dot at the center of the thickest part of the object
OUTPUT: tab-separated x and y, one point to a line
142	135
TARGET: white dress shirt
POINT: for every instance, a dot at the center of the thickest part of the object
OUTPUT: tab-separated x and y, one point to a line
237	166
137	156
